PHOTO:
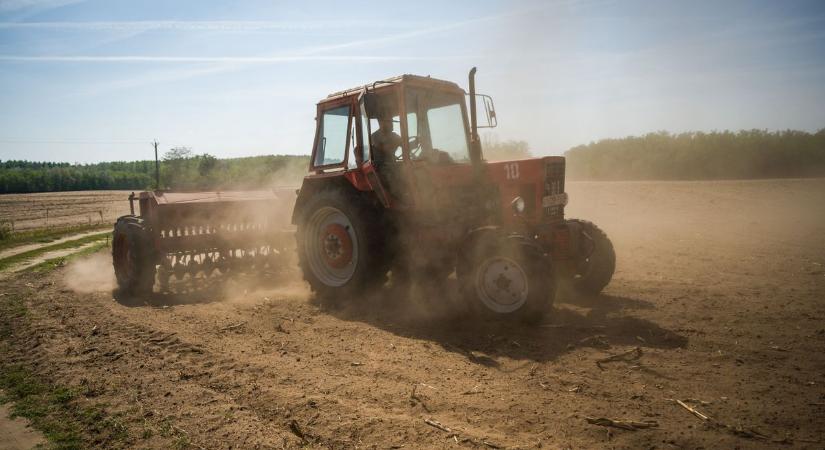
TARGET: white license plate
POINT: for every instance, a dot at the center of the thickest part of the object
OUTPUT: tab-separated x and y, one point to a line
554	200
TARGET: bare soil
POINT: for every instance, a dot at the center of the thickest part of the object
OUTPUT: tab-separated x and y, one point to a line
29	211
719	284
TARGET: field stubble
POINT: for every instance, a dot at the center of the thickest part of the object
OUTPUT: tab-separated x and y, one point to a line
60	209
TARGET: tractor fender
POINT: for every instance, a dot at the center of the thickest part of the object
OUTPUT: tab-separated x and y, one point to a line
495	232
312	186
492	233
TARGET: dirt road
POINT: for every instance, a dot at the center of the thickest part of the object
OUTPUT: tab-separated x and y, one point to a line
720	285
29	247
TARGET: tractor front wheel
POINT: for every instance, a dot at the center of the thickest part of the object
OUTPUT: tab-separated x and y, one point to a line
595	261
507	278
132	256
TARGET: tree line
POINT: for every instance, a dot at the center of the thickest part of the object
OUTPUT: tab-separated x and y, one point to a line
701	156
28	176
179	169
661	155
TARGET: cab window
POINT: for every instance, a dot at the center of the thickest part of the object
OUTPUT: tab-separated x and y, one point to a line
436	128
332	136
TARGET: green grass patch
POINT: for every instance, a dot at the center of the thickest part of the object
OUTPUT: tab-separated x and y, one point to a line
44	405
21	257
10	239
57	411
54	263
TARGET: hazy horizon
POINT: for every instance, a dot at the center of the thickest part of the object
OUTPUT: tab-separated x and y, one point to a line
88	81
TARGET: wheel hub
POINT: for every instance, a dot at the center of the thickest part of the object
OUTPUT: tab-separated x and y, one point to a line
502	285
331	246
337	245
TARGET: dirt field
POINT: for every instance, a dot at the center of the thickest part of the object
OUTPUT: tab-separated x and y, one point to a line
27	211
719	284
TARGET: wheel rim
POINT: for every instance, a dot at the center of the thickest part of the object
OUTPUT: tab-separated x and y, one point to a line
502	284
331	246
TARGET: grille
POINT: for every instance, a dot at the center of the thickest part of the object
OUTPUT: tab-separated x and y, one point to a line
553	185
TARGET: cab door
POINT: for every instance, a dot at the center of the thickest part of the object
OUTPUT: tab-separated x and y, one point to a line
436	151
367	166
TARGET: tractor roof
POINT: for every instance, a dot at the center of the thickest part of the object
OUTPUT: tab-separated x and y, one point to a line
406	78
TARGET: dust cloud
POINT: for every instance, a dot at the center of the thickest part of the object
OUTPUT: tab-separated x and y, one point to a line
290	175
91	274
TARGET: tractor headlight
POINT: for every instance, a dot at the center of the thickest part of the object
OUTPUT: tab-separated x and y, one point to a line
518	205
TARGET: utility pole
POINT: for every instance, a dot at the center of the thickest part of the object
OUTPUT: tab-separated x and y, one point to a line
157	166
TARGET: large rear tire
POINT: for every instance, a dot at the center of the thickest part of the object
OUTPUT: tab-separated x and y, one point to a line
506	278
596	262
133	257
340	247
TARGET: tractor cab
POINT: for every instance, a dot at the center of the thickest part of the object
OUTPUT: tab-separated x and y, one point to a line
404	138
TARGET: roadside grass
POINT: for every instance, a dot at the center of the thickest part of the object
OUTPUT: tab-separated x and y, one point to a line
59	412
21	257
10	239
54	263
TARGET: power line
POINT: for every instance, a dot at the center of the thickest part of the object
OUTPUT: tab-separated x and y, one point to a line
157	165
68	141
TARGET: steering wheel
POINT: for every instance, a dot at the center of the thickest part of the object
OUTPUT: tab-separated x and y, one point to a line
415	150
415	147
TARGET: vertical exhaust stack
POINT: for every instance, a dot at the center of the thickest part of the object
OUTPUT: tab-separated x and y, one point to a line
475	144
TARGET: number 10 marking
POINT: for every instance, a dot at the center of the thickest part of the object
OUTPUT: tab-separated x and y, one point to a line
511	171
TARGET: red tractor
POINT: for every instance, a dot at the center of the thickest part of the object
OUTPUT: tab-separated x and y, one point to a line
398	186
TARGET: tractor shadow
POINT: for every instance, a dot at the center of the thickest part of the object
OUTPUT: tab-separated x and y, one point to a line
436	315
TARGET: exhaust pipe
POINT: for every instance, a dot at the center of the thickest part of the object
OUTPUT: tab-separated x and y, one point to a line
475	145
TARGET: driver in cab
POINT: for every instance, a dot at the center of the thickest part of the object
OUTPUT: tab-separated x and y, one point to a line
385	142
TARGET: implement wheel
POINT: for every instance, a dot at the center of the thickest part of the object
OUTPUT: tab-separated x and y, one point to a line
339	245
132	256
506	278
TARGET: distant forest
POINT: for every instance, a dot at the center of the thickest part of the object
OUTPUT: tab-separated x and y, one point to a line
180	169
701	156
654	156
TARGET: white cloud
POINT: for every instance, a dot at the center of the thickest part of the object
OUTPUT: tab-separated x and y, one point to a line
212	59
212	25
17	5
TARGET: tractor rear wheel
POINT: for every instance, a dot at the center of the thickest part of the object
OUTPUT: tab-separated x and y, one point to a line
506	278
132	256
339	245
596	261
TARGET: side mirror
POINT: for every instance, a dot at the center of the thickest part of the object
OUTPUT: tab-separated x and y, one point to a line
489	111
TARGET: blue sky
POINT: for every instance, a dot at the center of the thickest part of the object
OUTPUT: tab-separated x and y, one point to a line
96	80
